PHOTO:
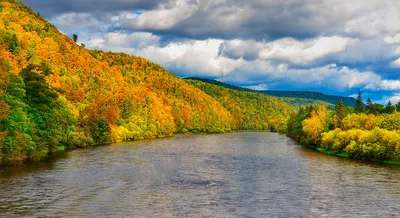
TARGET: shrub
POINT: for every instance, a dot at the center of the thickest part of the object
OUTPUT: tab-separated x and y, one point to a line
79	140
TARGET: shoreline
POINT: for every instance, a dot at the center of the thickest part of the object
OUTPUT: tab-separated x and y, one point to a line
61	151
346	155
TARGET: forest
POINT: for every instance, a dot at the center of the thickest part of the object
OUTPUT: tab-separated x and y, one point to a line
294	98
367	132
57	95
251	111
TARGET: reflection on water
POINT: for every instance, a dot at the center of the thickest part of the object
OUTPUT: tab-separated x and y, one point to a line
232	175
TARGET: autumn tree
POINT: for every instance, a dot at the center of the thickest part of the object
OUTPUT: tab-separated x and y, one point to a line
315	125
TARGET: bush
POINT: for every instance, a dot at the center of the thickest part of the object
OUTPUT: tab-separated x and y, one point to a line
79	140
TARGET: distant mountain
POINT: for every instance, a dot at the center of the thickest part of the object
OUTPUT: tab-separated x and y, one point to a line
331	99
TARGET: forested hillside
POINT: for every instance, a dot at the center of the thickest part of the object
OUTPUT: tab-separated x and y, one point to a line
294	98
57	95
252	111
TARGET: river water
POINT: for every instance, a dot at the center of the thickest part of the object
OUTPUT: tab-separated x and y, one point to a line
231	175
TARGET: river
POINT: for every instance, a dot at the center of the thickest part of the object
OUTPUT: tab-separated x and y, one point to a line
231	175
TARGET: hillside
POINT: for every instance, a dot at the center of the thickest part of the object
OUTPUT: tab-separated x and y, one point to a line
252	111
57	95
303	98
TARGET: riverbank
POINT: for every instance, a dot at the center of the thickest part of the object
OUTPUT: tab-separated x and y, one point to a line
61	150
346	155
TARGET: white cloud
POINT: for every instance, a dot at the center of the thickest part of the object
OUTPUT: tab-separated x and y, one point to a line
353	96
393	40
338	77
259	87
387	85
303	52
396	63
327	77
77	22
163	18
237	48
121	42
394	99
134	40
193	57
397	51
287	49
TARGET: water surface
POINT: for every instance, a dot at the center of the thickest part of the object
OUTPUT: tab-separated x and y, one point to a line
231	175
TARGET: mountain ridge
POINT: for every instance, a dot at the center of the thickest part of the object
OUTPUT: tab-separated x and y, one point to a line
319	96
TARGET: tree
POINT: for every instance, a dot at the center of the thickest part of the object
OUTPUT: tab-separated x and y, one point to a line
398	106
340	112
390	108
75	38
50	115
102	131
4	109
14	45
359	103
371	107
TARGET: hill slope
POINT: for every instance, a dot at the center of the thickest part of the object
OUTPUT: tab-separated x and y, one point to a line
56	95
315	98
252	111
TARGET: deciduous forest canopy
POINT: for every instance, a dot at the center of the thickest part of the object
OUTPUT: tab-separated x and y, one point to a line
58	95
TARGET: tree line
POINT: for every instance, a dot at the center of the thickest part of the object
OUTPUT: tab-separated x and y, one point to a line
370	132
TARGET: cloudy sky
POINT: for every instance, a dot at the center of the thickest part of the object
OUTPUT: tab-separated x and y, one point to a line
333	46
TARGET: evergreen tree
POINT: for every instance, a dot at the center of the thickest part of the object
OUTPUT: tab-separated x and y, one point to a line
340	112
359	104
102	131
14	45
75	38
369	104
390	108
371	107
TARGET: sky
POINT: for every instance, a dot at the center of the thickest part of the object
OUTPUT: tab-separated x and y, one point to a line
336	47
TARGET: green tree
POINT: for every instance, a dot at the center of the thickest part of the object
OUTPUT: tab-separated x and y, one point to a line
390	108
75	38
102	131
14	45
51	117
371	107
18	124
359	103
340	112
